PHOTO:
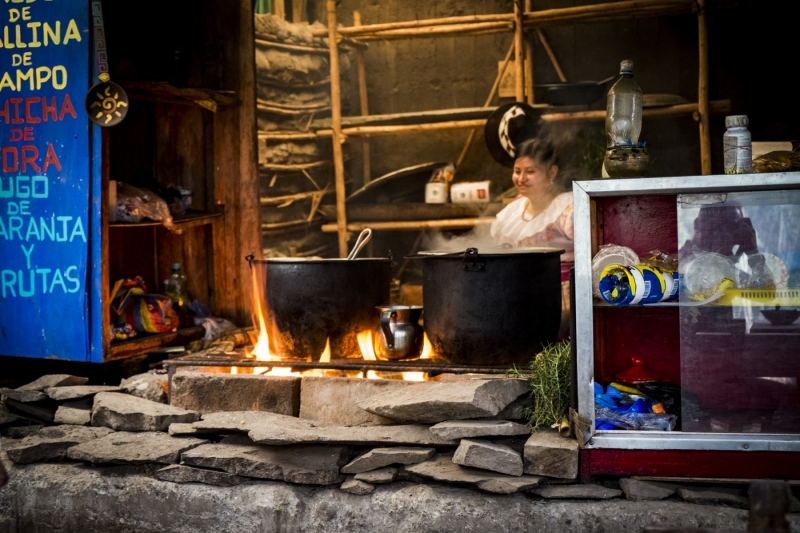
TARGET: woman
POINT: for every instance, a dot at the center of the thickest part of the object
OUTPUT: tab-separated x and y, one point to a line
542	213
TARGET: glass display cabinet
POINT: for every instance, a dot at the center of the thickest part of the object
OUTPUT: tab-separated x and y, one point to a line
726	351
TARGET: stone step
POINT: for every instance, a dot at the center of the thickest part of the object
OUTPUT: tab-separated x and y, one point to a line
549	454
483	427
488	456
124	412
76	392
149	386
188	474
53	380
441	468
381	457
335	400
213	393
52	443
128	448
386	474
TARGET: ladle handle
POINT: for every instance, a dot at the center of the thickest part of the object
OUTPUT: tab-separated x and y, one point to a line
387	319
363	239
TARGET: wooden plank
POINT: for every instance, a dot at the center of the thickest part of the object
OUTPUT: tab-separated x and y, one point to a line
148	343
702	89
190	219
459	223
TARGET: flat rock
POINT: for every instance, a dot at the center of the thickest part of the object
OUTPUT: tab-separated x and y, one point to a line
442	468
149	386
20	432
638	491
75	392
485	427
714	497
127	448
381	457
312	465
376	477
52	443
212	393
357	487
577	492
516	409
488	456
77	413
187	429
31	411
335	400
548	454
432	402
124	412
187	474
275	429
24	396
54	380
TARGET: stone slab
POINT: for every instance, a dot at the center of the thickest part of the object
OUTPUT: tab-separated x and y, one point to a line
76	392
516	409
128	448
20	432
181	429
432	402
54	380
578	492
188	474
149	386
639	491
381	457
31	411
488	456
386	474
483	427
357	487
312	465
124	412
276	430
548	454
77	413
65	497
335	400
24	396
442	468
714	497
52	443
213	393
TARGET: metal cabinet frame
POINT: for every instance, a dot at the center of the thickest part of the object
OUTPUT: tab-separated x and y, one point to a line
583	192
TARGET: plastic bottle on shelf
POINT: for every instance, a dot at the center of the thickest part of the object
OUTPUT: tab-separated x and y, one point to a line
176	287
624	109
737	146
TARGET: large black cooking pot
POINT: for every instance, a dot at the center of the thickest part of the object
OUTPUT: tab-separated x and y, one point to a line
311	300
494	308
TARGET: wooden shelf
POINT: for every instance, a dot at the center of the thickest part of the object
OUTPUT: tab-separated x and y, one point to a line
148	342
164	92
413	225
190	219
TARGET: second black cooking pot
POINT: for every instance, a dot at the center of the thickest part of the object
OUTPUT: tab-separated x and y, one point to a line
493	308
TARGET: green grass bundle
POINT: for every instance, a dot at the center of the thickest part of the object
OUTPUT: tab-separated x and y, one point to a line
549	377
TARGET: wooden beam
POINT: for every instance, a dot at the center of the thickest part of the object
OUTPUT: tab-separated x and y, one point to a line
336	134
519	78
529	60
297	11
362	95
407	128
702	89
551	55
451	224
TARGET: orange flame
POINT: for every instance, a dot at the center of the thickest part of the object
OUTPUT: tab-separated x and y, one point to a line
261	350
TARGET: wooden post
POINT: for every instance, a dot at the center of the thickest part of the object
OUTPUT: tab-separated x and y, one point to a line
362	94
336	126
279	8
551	55
702	89
518	53
529	60
297	11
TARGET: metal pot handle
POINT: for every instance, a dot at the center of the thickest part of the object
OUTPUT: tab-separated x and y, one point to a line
473	261
387	319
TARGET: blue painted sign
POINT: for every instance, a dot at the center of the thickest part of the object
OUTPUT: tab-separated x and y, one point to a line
48	212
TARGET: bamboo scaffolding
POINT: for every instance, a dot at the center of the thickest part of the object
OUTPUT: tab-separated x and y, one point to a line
519	69
435	31
702	89
298	167
292	47
362	95
551	55
284	136
336	127
271	200
529	61
446	224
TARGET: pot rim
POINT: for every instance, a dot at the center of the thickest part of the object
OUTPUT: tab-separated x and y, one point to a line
492	253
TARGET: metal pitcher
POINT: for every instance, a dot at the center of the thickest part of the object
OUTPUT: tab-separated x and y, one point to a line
399	336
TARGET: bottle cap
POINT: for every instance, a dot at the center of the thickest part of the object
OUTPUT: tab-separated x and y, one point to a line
626	67
176	266
733	121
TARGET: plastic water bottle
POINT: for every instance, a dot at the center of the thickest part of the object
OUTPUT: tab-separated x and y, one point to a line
176	286
624	109
737	148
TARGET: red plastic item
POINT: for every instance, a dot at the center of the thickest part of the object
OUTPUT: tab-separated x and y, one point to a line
637	373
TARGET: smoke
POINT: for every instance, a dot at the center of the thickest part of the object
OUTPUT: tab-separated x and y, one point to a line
479	237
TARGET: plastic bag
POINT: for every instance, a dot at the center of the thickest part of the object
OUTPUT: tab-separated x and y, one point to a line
215	326
135	309
610	254
779	161
661	259
634	421
134	204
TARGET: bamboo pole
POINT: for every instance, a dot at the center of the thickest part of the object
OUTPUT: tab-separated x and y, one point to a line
519	76
297	11
362	94
529	60
702	88
432	31
445	224
407	128
551	55
284	136
293	47
336	126
409	24
488	102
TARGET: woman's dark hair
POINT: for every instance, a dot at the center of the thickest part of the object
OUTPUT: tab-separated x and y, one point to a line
544	152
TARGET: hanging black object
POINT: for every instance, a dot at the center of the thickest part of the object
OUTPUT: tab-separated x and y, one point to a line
106	102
